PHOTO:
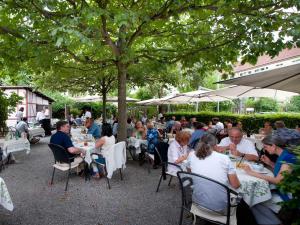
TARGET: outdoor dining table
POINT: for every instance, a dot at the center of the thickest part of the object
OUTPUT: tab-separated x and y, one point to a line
89	148
254	190
16	145
135	142
5	199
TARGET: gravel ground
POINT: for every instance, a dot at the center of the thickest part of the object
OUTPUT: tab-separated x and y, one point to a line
131	201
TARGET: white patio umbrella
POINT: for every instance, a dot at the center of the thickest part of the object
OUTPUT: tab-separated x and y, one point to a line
97	98
185	98
285	78
237	91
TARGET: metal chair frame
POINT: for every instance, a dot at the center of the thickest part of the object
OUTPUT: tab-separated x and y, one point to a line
186	204
65	159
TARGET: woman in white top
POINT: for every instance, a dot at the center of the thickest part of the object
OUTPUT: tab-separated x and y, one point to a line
105	142
209	163
178	150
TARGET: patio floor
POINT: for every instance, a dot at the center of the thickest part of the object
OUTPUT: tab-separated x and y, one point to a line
131	201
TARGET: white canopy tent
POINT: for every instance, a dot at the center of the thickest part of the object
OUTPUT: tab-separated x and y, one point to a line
285	79
246	91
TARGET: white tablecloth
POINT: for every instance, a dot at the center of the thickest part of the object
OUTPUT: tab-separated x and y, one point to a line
90	148
13	145
254	190
132	141
5	199
36	132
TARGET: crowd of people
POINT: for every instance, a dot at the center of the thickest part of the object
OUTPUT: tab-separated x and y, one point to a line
204	149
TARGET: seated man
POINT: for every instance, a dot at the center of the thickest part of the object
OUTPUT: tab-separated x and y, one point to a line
93	128
62	138
237	145
219	126
23	129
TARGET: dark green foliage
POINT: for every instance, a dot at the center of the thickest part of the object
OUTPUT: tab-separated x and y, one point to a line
291	184
7	104
266	105
251	123
294	104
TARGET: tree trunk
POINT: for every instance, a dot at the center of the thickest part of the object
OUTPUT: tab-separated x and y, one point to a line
122	110
104	99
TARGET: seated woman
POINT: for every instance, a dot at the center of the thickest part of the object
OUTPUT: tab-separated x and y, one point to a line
105	142
139	130
267	129
209	163
178	150
274	145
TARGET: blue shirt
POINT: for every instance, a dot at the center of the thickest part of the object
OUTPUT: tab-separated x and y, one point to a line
284	158
152	138
62	139
196	136
95	131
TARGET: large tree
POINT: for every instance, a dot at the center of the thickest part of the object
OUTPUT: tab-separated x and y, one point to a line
124	33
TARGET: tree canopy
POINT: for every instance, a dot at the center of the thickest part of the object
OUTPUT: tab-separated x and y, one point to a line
39	36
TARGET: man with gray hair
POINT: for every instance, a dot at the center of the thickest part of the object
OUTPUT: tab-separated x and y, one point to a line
237	145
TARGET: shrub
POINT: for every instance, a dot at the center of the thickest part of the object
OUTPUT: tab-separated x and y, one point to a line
251	123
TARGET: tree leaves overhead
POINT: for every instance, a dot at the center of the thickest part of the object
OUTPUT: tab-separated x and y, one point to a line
44	36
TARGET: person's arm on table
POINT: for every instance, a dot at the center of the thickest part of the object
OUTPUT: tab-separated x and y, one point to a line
273	180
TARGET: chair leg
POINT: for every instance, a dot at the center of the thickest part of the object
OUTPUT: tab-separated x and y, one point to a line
170	180
68	180
159	183
149	165
121	174
181	216
107	179
52	175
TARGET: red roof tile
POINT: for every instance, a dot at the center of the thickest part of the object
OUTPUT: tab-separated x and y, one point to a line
266	60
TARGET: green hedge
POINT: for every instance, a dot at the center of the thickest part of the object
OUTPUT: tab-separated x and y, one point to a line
251	122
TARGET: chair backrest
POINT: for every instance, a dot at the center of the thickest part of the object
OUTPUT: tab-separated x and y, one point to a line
120	154
205	193
162	151
60	153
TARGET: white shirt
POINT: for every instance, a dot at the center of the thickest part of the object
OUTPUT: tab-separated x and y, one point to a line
219	127
40	116
174	152
109	141
88	114
216	166
245	146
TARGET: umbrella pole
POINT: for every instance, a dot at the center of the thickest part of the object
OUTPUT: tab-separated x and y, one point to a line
197	106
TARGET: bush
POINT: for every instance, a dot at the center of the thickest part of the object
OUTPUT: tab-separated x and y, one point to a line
251	123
